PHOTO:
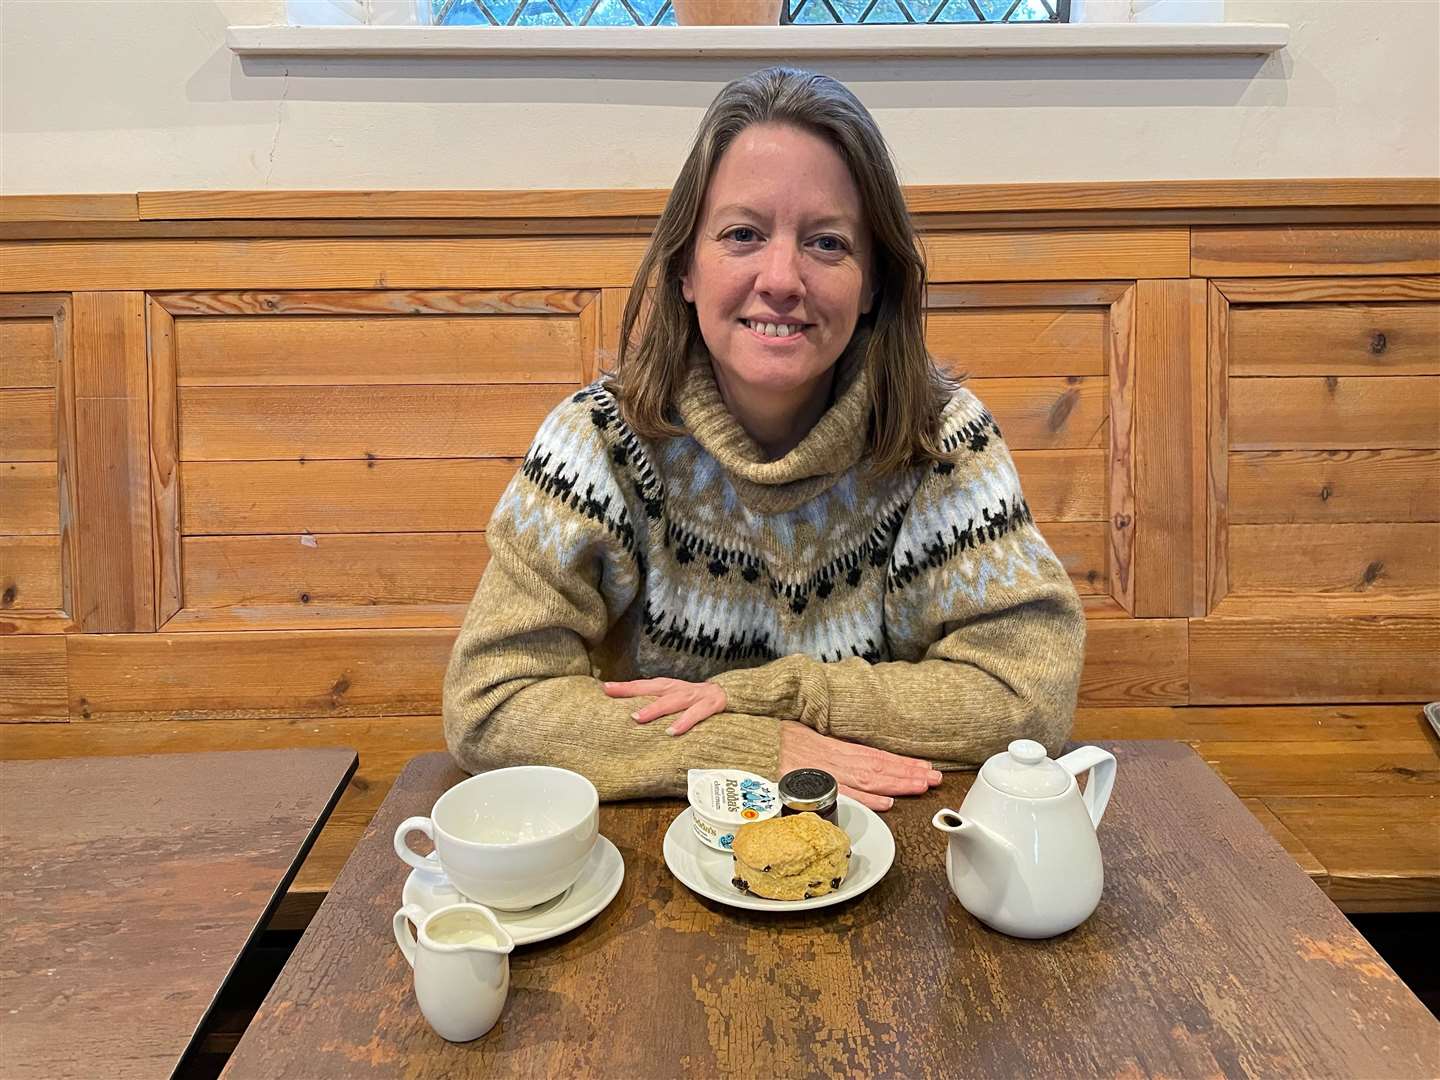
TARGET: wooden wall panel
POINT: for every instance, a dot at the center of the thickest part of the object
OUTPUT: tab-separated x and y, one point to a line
1169	448
29	497
1288	250
28	433
1063	485
115	572
317	350
1335	339
1083	548
1136	662
1328	559
280	422
32	678
1058	254
1372	657
30	574
256	497
27	353
1043	414
1277	486
1335	413
1018	341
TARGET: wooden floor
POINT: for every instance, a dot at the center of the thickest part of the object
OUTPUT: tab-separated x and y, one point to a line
1351	791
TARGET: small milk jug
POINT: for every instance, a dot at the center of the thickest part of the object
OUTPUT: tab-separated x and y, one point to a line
461	957
1023	855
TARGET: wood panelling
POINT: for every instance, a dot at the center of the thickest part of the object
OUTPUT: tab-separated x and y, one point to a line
223	423
29	497
1169	448
1083	548
401	262
377	302
1313	767
28	433
1282	251
1042	414
425	579
1358	657
1348	558
1335	339
32	678
1135	662
317	350
115	585
1121	487
1332	290
1063	485
1335	413
27	352
1278	486
30	575
1019	341
1056	254
1345	832
257	673
256	497
70	208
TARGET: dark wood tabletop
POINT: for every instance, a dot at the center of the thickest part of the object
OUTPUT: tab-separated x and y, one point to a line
1211	954
128	889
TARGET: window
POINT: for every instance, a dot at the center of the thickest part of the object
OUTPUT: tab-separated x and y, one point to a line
811	12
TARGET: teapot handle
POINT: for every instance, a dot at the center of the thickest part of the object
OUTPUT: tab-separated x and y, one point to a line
1101	764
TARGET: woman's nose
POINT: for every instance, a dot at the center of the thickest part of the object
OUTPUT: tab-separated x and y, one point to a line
780	271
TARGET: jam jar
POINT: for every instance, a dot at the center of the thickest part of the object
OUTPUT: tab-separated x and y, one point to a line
809	790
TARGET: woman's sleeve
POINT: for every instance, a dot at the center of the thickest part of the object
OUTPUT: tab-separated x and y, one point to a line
972	577
563	568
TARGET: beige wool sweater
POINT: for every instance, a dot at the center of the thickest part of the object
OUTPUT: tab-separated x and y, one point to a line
920	613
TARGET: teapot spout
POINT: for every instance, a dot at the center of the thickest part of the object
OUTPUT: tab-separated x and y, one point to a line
969	829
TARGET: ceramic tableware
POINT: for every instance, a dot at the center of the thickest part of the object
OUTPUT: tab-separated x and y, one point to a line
1023	856
509	838
461	957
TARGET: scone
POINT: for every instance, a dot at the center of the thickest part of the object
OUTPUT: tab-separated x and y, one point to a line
790	858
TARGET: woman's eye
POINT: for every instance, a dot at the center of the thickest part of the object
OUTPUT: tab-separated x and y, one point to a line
742	233
832	243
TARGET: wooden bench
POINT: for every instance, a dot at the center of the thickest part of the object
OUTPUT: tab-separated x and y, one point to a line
1352	792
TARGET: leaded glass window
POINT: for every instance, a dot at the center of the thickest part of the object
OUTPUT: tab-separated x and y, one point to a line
810	12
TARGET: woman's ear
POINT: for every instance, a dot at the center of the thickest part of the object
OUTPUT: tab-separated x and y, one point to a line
869	301
685	290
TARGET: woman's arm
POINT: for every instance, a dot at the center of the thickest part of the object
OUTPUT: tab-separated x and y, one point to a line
520	688
977	596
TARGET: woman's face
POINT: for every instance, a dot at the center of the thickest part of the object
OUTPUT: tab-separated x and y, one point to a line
780	265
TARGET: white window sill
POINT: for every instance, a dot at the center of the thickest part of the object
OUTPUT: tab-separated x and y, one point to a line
992	40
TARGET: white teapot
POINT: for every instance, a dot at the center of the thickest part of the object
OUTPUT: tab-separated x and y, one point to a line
1023	856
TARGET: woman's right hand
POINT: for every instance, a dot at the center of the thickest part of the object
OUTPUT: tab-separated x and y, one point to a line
867	775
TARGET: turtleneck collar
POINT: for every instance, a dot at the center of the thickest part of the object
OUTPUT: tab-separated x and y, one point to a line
832	448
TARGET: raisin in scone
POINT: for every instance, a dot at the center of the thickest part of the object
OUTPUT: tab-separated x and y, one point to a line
790	858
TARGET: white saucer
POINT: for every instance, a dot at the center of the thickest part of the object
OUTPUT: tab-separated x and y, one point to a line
596	886
708	872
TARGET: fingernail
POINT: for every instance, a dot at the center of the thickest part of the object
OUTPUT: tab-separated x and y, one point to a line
671	730
935	776
634	716
889	803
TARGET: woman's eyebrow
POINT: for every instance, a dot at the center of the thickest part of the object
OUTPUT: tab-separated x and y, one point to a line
751	212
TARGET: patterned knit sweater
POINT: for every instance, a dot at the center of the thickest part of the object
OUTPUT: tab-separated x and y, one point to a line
920	613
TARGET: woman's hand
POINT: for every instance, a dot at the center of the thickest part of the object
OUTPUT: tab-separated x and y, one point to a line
867	775
693	701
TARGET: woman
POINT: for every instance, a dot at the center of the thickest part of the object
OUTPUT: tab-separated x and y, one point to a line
778	522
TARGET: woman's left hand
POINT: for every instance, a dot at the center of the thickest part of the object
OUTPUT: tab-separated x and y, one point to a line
693	701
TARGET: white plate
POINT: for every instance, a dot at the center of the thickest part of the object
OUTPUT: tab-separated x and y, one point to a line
596	886
708	871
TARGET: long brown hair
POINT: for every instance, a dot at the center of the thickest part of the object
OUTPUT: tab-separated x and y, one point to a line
907	389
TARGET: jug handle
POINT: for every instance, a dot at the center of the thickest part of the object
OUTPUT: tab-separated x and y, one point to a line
404	936
1101	764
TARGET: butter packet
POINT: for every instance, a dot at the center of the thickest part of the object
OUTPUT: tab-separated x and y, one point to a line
721	800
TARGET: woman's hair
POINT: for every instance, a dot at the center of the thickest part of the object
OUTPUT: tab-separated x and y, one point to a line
908	390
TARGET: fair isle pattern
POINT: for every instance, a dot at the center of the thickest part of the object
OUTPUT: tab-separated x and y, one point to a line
717	585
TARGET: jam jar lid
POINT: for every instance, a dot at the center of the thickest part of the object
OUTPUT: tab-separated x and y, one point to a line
808	789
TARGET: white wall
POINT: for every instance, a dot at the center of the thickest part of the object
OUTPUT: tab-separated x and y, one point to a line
128	95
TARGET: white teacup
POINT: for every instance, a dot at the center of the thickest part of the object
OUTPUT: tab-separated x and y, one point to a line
461	957
509	838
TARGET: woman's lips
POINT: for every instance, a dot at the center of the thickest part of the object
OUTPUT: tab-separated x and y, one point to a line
770	339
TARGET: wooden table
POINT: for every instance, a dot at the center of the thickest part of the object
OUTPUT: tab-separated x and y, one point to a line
129	888
1211	954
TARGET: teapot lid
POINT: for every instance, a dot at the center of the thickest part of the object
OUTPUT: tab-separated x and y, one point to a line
1025	770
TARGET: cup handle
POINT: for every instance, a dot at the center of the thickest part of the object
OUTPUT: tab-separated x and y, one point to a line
1101	764
404	936
430	864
